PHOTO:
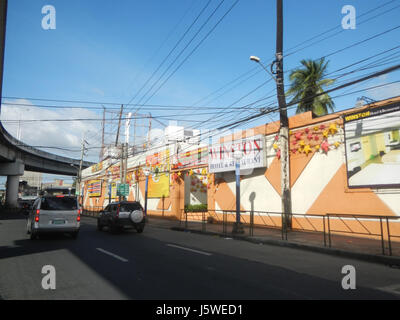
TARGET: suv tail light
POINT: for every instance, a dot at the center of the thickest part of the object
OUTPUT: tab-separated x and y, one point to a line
37	215
118	208
78	218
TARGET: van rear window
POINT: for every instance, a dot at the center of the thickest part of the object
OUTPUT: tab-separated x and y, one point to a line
59	203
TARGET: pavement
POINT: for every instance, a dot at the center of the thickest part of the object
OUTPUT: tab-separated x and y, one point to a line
164	264
349	246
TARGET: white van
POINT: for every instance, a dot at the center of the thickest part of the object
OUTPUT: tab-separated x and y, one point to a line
54	214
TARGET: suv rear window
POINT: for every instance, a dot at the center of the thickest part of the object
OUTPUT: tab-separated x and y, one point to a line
130	206
59	203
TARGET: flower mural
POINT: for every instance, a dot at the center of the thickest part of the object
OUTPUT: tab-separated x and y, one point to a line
312	139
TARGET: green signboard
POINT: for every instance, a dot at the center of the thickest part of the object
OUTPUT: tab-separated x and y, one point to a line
123	190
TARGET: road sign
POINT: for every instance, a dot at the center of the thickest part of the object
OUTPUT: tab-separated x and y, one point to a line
123	189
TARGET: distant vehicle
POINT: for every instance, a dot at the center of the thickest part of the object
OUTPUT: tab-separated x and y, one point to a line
25	203
119	215
58	214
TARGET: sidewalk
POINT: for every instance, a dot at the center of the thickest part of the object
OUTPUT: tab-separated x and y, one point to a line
353	247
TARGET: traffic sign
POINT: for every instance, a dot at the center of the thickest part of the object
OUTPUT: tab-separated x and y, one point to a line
123	189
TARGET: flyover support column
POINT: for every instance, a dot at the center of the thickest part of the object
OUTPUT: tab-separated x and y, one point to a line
12	191
12	170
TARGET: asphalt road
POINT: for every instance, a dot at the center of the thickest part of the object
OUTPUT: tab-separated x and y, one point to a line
164	264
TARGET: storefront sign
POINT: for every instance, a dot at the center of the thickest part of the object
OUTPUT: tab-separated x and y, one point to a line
220	156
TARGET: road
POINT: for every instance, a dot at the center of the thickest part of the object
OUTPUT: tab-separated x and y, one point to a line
165	264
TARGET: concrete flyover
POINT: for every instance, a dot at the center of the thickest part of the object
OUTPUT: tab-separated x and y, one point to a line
16	156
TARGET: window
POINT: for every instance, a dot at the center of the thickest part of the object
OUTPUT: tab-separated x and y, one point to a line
130	206
59	203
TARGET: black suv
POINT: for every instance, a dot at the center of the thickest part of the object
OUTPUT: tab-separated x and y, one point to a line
118	215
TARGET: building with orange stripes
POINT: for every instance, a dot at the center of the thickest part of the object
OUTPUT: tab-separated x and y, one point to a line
347	162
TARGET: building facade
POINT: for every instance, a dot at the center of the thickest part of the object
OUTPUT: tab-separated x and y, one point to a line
343	163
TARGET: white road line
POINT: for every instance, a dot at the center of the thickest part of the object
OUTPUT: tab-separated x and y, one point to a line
395	289
112	255
188	249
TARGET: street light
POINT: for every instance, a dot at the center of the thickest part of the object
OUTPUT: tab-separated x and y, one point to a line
237	227
258	60
146	172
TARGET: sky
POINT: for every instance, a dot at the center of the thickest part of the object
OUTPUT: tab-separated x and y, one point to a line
106	51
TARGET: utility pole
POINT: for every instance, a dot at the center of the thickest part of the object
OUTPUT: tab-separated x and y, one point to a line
149	138
119	124
84	142
102	134
3	18
284	121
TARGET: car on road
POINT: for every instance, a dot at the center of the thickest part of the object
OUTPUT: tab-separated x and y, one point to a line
25	203
54	214
120	215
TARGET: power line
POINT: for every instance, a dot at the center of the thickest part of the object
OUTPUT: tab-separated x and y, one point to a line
194	49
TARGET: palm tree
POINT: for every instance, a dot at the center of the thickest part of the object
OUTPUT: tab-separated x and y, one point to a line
308	82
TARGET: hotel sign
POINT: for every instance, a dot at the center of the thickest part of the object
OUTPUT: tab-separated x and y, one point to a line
220	156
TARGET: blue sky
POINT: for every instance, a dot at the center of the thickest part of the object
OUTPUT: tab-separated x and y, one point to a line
106	50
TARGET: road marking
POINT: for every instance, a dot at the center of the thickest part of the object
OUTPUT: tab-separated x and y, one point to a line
395	289
112	255
188	249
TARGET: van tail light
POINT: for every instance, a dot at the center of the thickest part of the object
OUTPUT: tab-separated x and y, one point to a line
78	218
37	215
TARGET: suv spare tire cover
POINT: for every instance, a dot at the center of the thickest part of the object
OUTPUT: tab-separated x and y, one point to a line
136	216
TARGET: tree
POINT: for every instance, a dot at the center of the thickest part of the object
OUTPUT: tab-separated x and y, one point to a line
306	83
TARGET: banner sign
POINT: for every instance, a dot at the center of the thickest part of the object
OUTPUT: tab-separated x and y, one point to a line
192	158
115	171
159	160
373	147
97	167
94	188
220	156
113	190
158	185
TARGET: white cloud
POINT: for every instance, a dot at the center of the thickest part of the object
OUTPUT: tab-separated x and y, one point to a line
61	134
389	91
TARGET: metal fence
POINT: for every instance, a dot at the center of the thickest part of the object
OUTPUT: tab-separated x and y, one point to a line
348	231
367	233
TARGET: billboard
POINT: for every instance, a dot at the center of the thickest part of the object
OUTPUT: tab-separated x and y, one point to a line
373	147
158	185
220	156
94	188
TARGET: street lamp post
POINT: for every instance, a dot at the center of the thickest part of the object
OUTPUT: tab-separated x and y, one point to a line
146	173
237	227
284	126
